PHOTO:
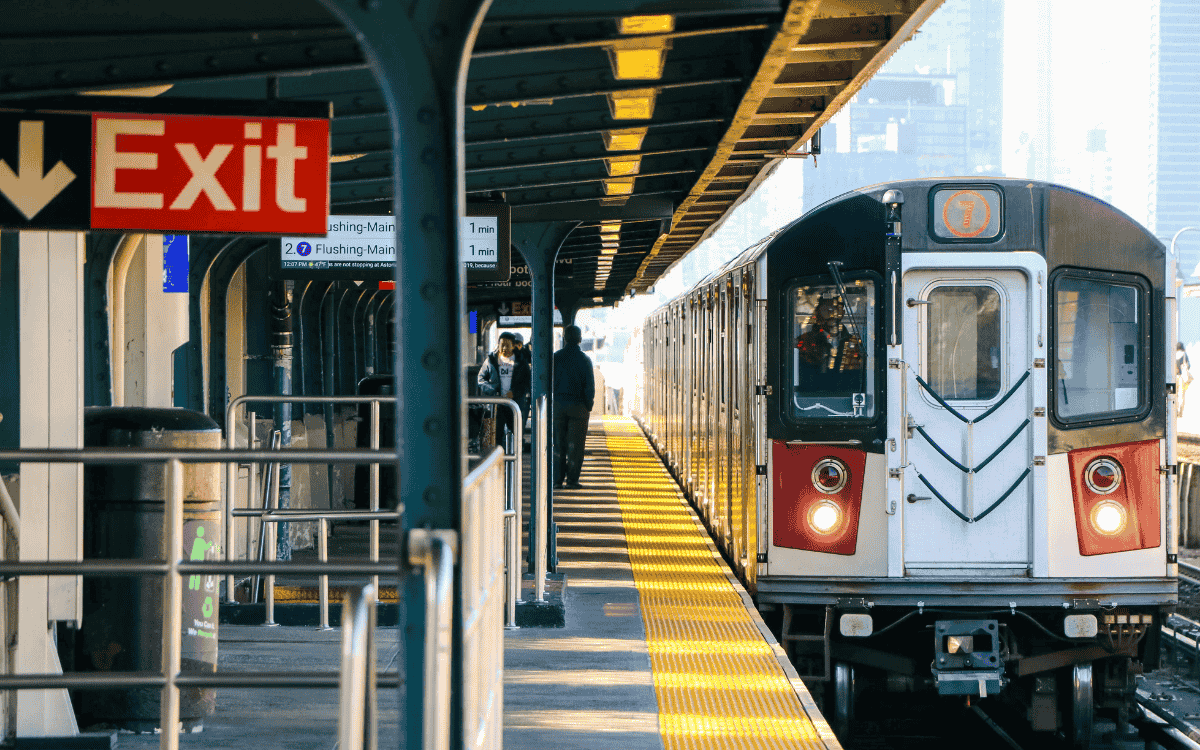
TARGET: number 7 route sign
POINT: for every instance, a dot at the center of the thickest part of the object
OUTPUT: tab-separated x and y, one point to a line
170	173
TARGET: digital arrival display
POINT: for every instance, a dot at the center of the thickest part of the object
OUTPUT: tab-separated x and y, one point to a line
364	247
352	242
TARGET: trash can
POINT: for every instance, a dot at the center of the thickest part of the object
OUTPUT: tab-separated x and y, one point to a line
123	519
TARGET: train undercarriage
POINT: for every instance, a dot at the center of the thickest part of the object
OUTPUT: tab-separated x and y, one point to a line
1058	669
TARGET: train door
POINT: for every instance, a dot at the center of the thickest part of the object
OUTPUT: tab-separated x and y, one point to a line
737	446
724	457
968	346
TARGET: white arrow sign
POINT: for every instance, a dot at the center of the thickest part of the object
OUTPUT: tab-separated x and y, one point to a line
30	189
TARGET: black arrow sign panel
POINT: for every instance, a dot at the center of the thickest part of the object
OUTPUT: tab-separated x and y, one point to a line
66	139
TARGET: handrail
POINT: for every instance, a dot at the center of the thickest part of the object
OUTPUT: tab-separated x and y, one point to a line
9	508
231	469
172	603
357	714
512	506
323	518
268	490
435	550
172	567
537	537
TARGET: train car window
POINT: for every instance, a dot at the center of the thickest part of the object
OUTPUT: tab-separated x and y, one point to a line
964	342
833	351
1098	357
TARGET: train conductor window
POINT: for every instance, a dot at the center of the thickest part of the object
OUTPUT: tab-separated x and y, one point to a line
1099	369
833	350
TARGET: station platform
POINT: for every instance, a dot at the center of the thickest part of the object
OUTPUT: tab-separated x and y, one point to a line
662	647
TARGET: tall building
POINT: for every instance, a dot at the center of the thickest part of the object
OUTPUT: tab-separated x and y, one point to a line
1177	198
935	109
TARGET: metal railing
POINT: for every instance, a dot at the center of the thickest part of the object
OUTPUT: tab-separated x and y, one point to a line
358	725
512	514
322	518
172	567
512	503
434	550
483	580
541	500
231	478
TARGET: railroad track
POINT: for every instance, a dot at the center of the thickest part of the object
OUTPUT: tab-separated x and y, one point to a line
1181	636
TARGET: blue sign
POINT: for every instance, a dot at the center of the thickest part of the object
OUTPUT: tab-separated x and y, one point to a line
175	263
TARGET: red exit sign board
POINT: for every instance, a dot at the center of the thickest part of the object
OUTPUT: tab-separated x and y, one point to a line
170	173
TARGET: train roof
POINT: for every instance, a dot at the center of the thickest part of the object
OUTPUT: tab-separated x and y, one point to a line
922	185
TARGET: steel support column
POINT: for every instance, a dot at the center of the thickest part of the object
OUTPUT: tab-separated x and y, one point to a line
418	53
539	244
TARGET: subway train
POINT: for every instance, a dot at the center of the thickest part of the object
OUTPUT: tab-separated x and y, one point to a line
927	425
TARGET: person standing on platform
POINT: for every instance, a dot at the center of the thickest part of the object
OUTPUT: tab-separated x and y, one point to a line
505	375
574	392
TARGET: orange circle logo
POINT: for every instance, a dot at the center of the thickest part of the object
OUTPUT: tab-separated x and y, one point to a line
966	214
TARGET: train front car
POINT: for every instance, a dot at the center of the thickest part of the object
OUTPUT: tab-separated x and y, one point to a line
967	447
927	425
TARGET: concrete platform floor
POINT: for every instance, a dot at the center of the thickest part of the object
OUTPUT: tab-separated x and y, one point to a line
279	719
587	685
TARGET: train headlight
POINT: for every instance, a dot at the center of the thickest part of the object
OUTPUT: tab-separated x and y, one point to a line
1103	476
825	517
830	475
960	644
1109	517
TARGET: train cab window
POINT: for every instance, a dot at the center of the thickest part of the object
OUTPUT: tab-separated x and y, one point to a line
833	351
1098	357
964	342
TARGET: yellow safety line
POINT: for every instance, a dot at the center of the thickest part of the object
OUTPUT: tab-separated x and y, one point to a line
312	595
717	680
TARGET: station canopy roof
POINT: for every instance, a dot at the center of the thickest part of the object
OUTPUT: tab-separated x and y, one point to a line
645	121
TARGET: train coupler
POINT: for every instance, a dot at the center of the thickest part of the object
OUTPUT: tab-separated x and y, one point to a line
967	657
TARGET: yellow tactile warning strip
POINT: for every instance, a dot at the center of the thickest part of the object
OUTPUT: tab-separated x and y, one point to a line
717	680
312	594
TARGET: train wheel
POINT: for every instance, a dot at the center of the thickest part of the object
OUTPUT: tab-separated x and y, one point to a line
843	699
1082	709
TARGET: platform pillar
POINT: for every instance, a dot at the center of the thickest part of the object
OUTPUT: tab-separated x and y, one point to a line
51	496
539	243
418	53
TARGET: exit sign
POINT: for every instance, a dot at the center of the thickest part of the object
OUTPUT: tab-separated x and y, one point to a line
257	168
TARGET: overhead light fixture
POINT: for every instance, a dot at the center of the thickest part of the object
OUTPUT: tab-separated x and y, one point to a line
615	224
646	24
608	249
638	59
617	200
618	186
623	165
625	139
144	91
636	104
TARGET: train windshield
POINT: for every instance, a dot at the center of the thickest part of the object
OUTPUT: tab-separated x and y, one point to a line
833	351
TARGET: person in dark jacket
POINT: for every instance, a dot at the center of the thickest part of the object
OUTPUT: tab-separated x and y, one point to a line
574	392
505	375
